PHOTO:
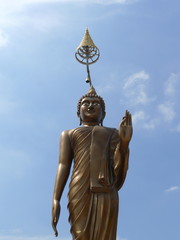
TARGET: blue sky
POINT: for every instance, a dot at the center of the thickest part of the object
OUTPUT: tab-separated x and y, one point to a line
40	84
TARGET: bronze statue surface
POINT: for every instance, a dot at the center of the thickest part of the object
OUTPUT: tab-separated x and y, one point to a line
100	163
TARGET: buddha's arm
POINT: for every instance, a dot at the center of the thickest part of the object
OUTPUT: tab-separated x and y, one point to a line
65	160
122	151
121	159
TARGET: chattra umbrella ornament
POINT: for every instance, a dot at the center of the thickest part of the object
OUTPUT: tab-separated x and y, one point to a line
87	53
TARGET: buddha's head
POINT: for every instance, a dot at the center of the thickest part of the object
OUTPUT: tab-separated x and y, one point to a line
91	109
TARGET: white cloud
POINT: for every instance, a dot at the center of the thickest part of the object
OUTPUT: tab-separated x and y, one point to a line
108	85
164	111
8	103
151	124
9	7
104	89
137	116
135	78
16	14
4	39
167	111
142	97
19	4
172	189
12	6
135	89
20	13
142	119
171	85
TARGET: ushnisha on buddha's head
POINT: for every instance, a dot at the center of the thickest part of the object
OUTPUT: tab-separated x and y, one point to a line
91	109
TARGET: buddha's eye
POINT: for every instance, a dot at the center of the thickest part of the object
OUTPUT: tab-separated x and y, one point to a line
85	104
96	104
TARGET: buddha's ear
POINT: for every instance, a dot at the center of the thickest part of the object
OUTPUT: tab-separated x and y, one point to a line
79	118
103	116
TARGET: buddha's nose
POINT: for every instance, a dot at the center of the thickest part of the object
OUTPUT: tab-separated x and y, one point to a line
91	107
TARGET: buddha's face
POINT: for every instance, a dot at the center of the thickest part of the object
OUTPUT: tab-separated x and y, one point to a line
91	110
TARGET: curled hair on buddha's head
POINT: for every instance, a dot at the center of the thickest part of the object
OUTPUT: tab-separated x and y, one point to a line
91	93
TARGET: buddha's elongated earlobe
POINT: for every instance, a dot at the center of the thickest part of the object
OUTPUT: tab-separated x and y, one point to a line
101	122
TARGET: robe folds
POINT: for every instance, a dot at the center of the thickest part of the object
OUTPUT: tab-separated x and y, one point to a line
93	190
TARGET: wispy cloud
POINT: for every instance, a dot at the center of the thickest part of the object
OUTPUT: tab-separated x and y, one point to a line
169	108
138	116
108	85
10	6
135	88
10	9
18	14
104	89
135	78
171	85
7	102
151	123
173	189
141	118
150	111
167	111
34	14
4	39
18	4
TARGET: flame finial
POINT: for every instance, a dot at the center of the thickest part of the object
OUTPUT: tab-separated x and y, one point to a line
87	53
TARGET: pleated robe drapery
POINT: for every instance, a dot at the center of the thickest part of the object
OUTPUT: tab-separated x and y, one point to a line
93	215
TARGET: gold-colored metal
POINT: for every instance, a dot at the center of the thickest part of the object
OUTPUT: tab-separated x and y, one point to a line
87	40
92	91
87	53
100	158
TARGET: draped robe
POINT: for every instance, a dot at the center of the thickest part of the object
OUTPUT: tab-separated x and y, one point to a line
93	194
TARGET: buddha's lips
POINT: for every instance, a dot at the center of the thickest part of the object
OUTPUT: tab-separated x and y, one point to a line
90	110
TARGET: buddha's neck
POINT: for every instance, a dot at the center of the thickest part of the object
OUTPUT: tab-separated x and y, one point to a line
90	123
